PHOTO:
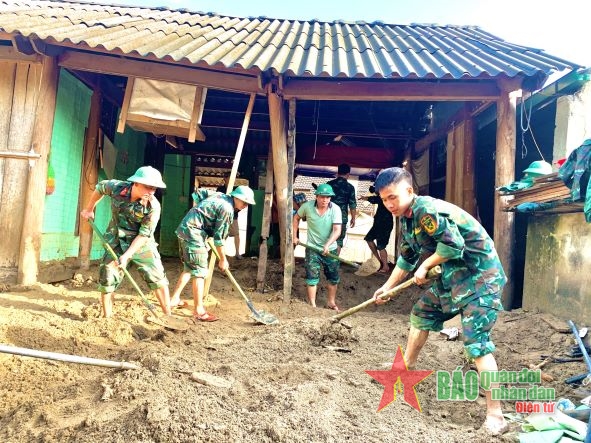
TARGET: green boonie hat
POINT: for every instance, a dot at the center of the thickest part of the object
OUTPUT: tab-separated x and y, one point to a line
244	193
325	190
149	176
539	167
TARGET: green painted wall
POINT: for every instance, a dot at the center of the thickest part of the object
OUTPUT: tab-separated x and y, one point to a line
557	263
176	200
61	208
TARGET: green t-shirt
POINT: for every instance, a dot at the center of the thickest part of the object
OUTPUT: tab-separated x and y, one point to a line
320	226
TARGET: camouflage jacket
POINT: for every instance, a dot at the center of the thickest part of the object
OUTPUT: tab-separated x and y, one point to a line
210	217
575	174
344	196
473	264
128	219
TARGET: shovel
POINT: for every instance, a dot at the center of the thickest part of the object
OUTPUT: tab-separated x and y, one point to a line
330	254
168	321
434	272
260	316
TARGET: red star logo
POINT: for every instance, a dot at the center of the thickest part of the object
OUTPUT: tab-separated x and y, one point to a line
397	378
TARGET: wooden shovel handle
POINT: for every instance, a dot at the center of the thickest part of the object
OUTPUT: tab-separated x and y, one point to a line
433	273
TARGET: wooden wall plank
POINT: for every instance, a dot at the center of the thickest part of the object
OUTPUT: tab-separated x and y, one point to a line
15	173
45	94
7	74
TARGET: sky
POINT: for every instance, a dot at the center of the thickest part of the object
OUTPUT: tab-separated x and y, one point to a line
560	28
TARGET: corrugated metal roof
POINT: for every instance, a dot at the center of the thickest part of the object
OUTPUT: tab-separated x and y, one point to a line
291	47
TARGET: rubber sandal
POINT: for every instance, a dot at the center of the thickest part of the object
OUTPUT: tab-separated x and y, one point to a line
180	305
206	316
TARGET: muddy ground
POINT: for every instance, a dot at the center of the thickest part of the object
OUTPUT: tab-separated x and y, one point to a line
289	382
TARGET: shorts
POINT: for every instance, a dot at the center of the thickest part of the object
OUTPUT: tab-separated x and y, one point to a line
234	231
148	263
315	261
194	258
479	315
380	234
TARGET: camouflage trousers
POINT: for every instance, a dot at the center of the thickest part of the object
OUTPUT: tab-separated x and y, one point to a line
478	316
315	261
148	263
194	257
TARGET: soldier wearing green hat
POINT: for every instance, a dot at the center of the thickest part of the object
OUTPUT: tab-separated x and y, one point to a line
135	212
324	222
211	216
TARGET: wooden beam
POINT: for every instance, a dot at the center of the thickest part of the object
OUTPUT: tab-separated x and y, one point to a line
391	90
129	67
9	54
265	227
504	222
30	244
89	175
291	155
125	107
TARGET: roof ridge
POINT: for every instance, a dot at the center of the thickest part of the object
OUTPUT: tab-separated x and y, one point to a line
260	17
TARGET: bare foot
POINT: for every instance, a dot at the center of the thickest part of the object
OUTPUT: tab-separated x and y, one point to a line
495	424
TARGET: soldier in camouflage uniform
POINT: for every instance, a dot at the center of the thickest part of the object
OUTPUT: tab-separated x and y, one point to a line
435	232
344	197
324	226
211	216
135	212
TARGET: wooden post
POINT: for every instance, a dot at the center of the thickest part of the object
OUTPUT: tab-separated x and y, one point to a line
291	154
30	244
279	146
267	210
89	176
504	228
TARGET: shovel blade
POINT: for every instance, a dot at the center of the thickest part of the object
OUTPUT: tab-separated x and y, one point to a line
169	322
369	267
261	316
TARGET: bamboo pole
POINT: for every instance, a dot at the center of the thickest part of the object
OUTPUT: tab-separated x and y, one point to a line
267	211
26	352
241	141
